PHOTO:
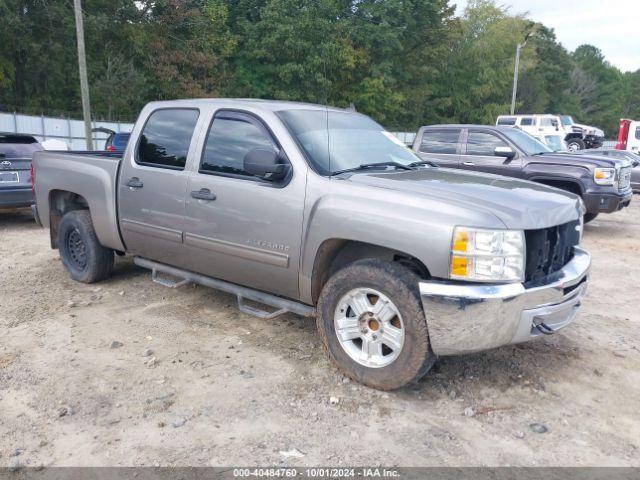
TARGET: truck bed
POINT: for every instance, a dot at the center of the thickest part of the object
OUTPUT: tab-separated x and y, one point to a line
92	176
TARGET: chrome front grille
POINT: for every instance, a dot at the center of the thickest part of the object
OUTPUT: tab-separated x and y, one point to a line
624	180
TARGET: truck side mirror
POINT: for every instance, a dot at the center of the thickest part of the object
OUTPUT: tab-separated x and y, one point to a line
265	163
506	152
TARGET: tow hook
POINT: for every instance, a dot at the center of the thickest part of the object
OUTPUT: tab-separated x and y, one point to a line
544	328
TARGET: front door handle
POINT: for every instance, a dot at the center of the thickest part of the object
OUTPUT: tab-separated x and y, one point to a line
203	194
468	164
135	182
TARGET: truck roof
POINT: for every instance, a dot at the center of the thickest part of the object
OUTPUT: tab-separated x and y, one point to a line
529	115
470	125
271	105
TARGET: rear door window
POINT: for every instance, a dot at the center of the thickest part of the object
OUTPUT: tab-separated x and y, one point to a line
527	121
440	141
483	144
166	137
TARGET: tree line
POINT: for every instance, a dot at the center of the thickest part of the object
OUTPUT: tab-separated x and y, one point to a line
404	62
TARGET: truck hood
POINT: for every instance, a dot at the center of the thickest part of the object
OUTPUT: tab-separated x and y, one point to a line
518	204
589	130
590	159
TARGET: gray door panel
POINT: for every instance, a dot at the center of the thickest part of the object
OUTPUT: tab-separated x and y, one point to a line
152	198
251	233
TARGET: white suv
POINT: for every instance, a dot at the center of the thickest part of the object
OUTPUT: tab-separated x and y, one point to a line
577	136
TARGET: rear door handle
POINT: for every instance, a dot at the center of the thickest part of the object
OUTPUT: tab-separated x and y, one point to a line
203	194
135	182
468	164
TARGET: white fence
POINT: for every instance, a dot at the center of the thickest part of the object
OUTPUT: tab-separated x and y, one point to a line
67	130
71	131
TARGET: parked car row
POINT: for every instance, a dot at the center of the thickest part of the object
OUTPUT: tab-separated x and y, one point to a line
321	212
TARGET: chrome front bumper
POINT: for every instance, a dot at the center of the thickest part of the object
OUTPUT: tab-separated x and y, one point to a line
464	318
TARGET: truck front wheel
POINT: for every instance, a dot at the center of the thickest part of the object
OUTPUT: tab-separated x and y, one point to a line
575	144
80	251
371	322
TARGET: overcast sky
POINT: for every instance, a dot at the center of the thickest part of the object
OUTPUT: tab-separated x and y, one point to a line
613	26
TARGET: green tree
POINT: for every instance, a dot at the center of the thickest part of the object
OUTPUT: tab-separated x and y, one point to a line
478	77
544	86
599	89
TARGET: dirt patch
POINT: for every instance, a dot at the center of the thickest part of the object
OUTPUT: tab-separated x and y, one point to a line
127	372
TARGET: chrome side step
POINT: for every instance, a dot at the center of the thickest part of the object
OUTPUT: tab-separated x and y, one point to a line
281	305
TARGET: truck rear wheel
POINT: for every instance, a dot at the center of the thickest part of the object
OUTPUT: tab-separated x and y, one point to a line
80	251
371	322
575	144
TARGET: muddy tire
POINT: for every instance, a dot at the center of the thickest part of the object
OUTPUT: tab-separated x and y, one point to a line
80	251
575	144
372	324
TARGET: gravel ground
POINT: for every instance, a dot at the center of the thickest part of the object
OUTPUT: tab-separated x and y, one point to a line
127	373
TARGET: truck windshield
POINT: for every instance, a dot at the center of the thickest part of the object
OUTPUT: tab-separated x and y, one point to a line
556	143
566	120
334	141
526	143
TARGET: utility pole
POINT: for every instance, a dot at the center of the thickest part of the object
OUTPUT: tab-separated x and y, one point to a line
82	67
515	78
515	72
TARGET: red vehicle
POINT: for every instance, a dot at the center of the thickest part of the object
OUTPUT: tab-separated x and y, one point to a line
629	135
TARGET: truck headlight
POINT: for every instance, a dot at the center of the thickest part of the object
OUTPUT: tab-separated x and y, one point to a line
482	255
604	176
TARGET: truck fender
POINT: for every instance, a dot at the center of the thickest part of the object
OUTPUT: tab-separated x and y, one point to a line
413	233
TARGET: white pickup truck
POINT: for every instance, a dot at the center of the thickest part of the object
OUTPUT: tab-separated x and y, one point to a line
577	136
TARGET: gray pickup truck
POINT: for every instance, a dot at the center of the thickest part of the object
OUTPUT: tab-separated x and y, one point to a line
321	212
604	184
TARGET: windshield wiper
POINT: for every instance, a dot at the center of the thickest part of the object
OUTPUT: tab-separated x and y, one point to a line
365	166
420	163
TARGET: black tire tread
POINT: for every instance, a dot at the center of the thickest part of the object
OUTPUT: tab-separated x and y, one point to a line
396	277
100	259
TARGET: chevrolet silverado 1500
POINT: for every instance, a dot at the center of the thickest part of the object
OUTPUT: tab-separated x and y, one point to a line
321	212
